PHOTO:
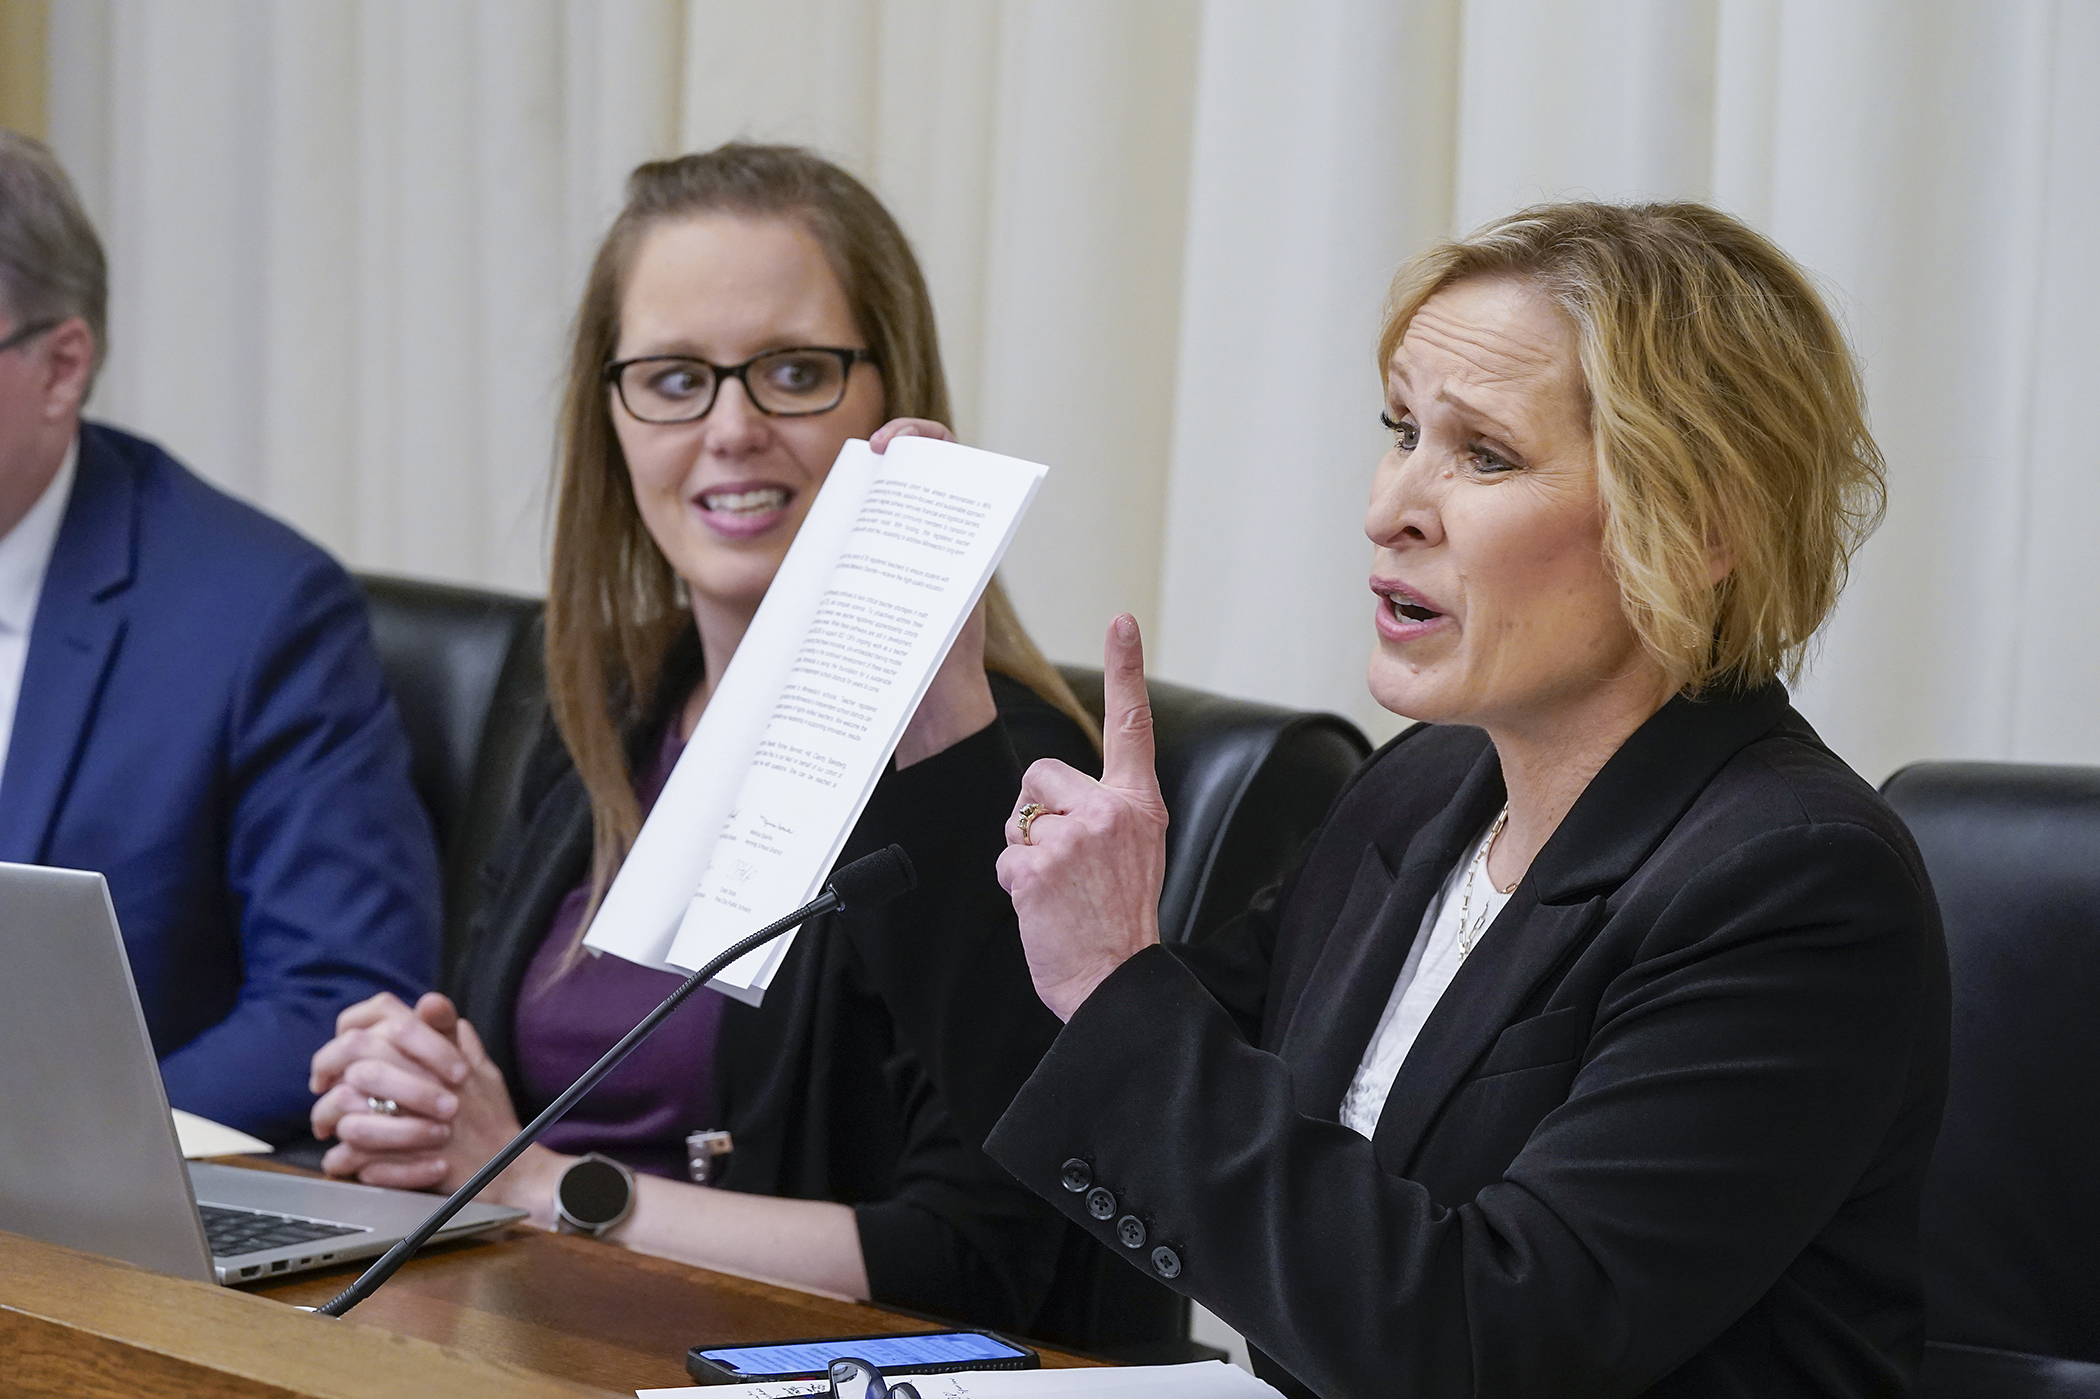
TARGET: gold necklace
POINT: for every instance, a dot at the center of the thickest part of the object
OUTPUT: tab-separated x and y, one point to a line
1469	930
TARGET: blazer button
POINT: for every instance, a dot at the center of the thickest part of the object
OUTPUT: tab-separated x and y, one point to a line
1166	1262
1131	1230
1077	1175
1100	1204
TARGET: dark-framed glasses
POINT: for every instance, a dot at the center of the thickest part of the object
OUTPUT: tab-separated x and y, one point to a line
787	383
26	334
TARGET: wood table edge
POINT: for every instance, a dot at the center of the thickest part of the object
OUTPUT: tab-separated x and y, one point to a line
87	1324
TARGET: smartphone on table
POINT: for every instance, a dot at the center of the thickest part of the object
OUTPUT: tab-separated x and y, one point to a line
904	1353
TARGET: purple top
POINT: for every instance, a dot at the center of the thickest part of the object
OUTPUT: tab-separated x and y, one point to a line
565	1020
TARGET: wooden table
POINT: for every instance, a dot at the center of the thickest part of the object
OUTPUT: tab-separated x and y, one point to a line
527	1315
586	1311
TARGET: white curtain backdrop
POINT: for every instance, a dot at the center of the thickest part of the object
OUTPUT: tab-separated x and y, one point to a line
347	235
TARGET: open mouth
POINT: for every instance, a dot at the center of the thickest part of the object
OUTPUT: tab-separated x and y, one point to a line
754	502
1410	611
1402	614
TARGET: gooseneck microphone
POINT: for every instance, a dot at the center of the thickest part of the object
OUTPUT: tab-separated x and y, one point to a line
869	882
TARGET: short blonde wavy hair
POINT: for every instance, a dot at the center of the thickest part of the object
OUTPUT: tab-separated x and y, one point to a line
1726	412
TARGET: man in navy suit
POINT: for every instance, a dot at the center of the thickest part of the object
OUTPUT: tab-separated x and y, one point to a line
190	704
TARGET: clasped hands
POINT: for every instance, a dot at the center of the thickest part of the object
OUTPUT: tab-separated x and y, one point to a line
452	1108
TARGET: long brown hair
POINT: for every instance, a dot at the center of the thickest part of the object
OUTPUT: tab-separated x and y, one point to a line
614	606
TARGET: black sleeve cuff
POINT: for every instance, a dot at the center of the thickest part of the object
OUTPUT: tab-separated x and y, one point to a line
1137	1025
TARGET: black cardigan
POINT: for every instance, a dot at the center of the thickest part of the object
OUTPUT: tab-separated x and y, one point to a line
888	1043
1664	1134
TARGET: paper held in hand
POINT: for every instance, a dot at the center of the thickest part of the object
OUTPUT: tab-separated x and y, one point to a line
875	588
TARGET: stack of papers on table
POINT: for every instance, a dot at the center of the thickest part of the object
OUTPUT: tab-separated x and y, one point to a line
201	1137
1211	1379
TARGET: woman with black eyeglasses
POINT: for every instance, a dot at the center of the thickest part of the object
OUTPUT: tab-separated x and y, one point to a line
750	311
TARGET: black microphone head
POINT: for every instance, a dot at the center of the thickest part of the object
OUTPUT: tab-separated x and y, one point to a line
873	880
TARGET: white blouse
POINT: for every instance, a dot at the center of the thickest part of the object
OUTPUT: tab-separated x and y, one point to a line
1430	965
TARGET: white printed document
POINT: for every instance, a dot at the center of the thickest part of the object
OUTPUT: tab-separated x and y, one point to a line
874	590
200	1137
1209	1379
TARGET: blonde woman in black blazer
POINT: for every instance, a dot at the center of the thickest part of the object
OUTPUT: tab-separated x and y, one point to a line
1596	1044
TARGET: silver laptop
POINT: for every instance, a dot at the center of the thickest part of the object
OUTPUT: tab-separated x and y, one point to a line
88	1156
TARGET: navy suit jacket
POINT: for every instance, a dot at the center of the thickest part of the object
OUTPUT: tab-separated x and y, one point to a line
204	721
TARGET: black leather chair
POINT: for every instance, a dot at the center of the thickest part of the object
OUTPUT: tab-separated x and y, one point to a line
2012	1201
468	677
1244	784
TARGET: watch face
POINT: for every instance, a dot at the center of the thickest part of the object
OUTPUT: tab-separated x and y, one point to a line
594	1192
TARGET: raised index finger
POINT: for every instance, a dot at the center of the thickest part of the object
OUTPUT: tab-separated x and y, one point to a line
1126	712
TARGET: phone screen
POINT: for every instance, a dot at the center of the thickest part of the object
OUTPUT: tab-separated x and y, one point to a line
807	1357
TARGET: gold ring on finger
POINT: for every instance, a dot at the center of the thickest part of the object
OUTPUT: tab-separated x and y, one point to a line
1028	815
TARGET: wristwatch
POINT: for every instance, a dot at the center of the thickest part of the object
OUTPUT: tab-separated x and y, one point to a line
593	1195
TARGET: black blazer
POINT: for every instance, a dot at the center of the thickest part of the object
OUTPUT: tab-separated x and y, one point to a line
1664	1134
888	1043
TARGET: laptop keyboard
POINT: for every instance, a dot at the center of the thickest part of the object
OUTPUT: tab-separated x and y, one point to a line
232	1233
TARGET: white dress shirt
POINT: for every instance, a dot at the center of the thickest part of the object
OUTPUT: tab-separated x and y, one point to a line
1433	961
25	556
